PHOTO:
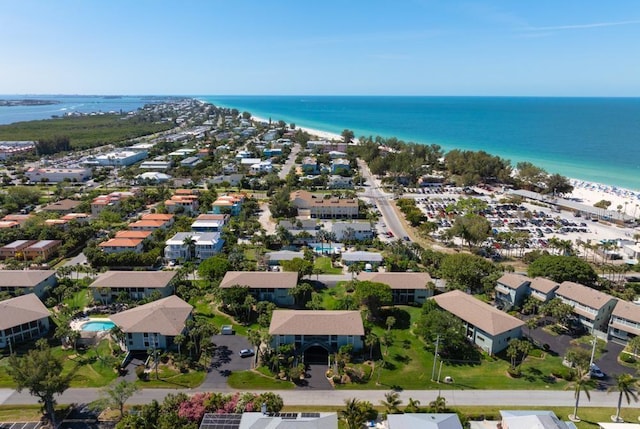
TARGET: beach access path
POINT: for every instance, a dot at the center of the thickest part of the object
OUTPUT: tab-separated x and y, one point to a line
298	397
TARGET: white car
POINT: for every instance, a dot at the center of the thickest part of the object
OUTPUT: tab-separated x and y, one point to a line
246	352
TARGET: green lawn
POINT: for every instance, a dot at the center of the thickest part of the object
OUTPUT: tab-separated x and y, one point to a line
409	364
251	379
79	300
169	378
324	263
91	371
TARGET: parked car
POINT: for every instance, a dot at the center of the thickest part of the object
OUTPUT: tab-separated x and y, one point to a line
595	371
246	353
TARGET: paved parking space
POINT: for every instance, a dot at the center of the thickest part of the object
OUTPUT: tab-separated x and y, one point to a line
226	360
315	378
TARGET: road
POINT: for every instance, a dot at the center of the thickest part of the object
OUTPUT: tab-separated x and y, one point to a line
381	199
512	398
290	161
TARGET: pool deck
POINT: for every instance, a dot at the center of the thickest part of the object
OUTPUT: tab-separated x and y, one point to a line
76	324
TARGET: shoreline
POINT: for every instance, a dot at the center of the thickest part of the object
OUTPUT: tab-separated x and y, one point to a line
314	132
584	191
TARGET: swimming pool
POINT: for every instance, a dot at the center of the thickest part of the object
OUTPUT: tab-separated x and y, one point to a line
98	325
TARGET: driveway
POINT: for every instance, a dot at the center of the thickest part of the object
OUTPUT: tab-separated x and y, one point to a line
559	344
608	363
315	378
226	360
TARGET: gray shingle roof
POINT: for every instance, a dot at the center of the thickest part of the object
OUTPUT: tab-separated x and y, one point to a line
22	309
166	316
24	278
477	313
144	279
513	281
583	294
316	322
260	279
398	280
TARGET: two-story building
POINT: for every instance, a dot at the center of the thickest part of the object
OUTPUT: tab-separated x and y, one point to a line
406	288
486	326
136	285
154	325
228	204
625	321
511	290
316	334
15	249
185	203
19	282
591	307
210	222
542	289
121	245
204	245
317	206
152	221
43	249
352	230
264	286
111	200
22	318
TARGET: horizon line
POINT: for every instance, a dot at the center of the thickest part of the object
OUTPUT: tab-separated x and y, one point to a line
313	95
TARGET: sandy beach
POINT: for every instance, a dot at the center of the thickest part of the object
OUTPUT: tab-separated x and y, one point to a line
319	133
585	192
590	193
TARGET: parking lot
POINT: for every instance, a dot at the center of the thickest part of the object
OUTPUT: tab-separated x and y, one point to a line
226	360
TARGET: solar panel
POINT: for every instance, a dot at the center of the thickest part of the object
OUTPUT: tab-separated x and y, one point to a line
310	415
221	421
289	415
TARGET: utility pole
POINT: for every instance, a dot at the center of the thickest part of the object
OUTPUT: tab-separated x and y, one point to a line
435	359
593	350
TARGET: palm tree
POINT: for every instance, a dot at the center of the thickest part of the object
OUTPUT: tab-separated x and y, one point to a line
438	405
353	414
370	340
413	406
190	243
582	384
624	385
391	402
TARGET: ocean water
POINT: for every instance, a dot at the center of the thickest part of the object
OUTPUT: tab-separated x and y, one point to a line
68	104
593	139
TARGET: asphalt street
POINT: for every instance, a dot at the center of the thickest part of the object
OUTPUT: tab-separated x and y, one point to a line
313	397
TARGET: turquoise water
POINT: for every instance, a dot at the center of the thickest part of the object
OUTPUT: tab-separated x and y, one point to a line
96	326
594	139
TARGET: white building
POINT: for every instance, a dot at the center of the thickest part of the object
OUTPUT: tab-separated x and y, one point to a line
56	175
121	158
207	244
262	167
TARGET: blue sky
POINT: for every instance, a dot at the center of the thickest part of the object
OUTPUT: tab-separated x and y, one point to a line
324	47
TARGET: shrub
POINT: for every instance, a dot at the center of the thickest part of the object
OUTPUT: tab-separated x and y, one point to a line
567	374
625	357
140	372
536	353
514	372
